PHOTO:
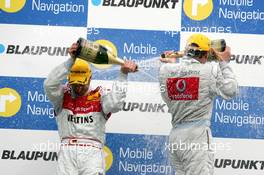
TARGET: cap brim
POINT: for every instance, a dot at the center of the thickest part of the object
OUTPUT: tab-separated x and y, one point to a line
78	80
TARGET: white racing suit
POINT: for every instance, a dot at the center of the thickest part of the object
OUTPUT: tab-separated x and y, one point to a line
81	122
190	88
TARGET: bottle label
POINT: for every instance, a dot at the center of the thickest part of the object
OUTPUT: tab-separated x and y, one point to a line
218	44
87	50
91	52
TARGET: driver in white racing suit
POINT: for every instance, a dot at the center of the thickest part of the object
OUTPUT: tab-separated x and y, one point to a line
191	86
81	114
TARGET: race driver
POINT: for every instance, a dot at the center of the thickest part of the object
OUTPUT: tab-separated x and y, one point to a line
81	114
191	86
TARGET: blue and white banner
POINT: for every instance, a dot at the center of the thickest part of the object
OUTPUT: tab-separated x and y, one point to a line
223	16
141	15
241	117
145	155
24	105
35	37
44	12
141	46
125	154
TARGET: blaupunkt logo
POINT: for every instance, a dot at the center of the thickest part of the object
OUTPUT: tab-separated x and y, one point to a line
10	102
2	48
96	2
12	6
247	59
160	4
198	9
33	50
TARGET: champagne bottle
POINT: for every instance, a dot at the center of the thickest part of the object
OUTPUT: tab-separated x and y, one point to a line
175	54
96	53
218	44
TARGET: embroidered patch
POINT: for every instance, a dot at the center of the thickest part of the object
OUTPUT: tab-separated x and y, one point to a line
183	88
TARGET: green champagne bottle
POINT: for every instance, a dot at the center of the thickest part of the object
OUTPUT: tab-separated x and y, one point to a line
96	53
218	44
175	54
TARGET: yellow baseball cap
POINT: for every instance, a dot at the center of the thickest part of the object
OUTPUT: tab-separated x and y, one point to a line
203	42
80	72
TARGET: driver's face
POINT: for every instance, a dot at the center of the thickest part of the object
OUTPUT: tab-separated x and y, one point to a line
79	89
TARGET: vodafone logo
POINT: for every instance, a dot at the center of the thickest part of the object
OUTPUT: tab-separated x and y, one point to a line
186	88
181	85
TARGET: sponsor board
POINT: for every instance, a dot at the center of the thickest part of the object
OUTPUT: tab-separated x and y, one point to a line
143	112
142	15
25	106
150	152
124	154
147	154
28	153
246	61
36	49
137	44
142	46
240	156
44	12
241	117
138	30
232	16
